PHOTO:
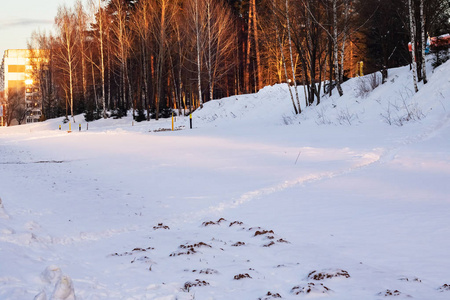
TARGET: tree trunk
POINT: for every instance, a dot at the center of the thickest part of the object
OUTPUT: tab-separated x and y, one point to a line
423	43
284	62
335	48
248	51
258	56
199	79
291	57
208	15
344	40
102	59
412	25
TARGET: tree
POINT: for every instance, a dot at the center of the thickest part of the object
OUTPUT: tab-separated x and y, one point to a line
101	26
195	13
220	38
81	22
283	59
16	109
65	51
121	41
412	28
257	52
142	23
288	28
336	50
423	43
42	59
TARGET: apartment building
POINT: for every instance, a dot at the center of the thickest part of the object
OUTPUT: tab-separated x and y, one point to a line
21	94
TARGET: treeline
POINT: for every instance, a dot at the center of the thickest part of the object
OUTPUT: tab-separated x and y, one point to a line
106	58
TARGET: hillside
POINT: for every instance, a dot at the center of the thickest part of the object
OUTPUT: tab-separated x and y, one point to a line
349	200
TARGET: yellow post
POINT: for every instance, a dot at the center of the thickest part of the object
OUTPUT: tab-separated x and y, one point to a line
59	127
361	65
70	127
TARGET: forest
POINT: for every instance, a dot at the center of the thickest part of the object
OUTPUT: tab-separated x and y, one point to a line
155	57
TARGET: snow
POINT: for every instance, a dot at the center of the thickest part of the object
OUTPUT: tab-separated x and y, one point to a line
253	203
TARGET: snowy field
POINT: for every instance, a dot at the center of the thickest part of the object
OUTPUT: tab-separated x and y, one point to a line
253	203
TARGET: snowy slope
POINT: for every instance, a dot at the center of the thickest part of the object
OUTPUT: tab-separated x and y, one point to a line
349	200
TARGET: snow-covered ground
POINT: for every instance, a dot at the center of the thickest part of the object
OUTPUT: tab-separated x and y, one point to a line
253	203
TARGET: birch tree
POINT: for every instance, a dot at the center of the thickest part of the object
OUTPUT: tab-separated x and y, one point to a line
335	49
423	43
288	25
67	60
220	38
122	42
101	39
81	19
195	17
283	59
142	25
257	51
412	28
164	12
42	47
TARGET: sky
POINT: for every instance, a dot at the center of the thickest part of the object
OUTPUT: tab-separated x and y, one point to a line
18	19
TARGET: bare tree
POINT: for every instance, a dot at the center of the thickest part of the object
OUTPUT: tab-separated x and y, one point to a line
101	29
122	43
283	59
16	109
288	28
257	52
164	13
65	52
142	25
195	16
42	49
81	19
335	49
412	28
220	38
423	43
181	51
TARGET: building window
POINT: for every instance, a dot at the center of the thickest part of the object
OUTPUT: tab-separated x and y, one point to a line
29	90
35	90
16	68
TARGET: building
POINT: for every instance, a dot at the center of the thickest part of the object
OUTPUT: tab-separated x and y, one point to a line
21	94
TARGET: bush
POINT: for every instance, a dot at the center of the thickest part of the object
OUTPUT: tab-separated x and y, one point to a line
367	84
440	57
92	115
119	113
140	116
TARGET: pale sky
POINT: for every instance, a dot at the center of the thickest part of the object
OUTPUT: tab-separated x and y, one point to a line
19	18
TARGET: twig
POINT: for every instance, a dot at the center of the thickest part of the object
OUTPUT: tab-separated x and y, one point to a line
297	157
